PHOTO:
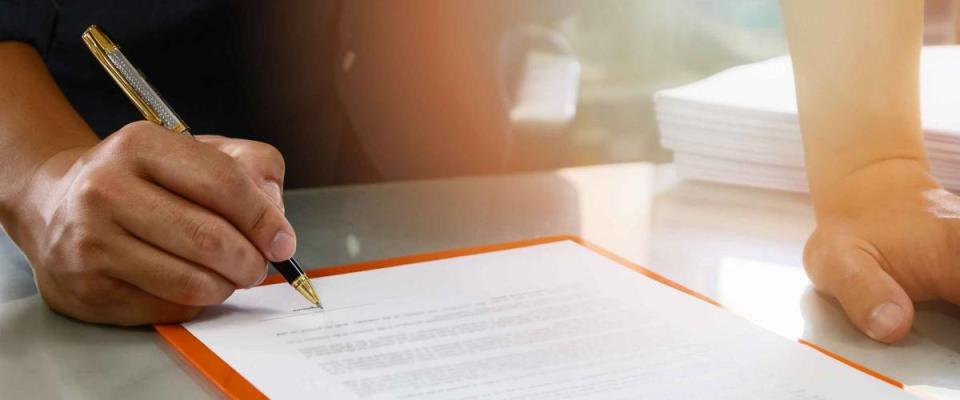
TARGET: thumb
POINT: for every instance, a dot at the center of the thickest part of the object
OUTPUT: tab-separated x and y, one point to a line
848	269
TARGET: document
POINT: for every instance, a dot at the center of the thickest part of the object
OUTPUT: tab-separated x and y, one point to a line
551	321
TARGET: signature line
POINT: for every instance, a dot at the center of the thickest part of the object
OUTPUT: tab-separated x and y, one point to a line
313	311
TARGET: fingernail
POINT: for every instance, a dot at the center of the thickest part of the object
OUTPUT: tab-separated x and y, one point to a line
263	276
885	319
282	247
272	189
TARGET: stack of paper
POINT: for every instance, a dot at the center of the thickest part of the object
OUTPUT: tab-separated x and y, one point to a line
740	126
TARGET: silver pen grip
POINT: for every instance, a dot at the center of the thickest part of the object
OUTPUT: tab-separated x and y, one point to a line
168	118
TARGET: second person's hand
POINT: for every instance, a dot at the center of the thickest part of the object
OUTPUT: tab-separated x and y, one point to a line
887	235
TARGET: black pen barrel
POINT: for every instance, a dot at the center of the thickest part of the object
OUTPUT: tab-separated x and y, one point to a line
290	269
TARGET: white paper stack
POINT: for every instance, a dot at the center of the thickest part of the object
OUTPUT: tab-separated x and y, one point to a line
740	126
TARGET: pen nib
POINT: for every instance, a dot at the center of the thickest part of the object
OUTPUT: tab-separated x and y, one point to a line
303	285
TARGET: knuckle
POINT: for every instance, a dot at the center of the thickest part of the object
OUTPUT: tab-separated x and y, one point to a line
254	265
190	289
270	153
208	237
195	290
847	279
140	125
260	217
226	178
229	175
837	264
818	255
96	188
131	136
87	249
822	248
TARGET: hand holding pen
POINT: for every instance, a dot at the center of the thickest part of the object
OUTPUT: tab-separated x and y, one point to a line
156	110
147	226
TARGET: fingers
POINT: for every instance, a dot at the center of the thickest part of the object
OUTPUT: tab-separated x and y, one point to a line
848	269
154	226
262	162
191	235
133	307
167	277
211	179
143	309
107	300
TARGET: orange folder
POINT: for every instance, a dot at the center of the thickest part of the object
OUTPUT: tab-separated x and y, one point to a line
234	385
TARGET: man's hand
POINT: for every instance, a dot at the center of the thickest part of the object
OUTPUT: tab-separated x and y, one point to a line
888	235
149	226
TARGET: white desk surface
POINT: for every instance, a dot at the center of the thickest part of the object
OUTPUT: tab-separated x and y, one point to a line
740	246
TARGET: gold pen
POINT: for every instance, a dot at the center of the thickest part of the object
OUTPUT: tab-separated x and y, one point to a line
156	110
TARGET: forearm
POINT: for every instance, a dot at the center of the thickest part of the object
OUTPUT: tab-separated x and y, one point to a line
856	65
36	123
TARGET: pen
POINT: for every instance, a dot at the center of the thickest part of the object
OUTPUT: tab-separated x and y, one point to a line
156	110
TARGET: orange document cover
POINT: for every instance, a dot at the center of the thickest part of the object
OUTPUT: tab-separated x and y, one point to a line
234	385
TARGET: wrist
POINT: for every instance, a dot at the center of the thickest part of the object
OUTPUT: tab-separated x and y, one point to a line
25	209
900	178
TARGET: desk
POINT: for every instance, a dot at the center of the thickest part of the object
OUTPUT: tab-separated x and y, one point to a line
739	246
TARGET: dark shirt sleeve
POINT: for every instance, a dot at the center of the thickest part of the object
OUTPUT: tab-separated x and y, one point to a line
30	21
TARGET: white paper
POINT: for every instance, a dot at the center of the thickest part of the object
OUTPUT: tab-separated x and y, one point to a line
927	392
553	321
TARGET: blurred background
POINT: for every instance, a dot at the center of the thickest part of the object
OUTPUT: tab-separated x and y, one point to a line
432	88
629	49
